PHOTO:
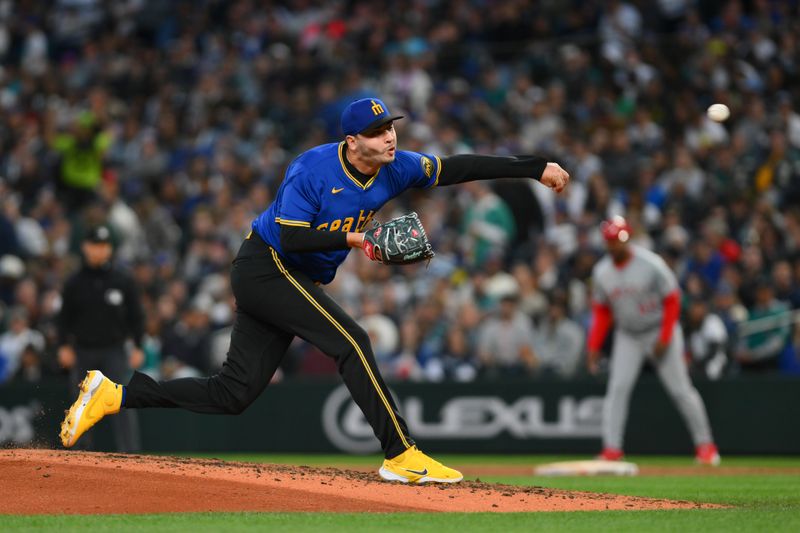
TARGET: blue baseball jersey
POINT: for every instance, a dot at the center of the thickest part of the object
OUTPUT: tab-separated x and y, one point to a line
319	192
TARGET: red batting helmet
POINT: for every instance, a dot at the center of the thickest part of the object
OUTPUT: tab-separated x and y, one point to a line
616	228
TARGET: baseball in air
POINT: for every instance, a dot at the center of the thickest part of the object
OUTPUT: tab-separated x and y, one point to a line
718	112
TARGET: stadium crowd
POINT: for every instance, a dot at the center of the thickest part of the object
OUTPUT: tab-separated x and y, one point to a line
172	122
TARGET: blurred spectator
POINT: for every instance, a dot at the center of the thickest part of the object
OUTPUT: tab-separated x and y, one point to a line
532	301
458	358
538	133
151	346
12	269
28	232
19	346
488	226
186	345
8	237
707	340
779	172
558	341
32	365
619	27
761	346
432	332
685	179
505	342
383	333
123	219
727	306
787	287
81	150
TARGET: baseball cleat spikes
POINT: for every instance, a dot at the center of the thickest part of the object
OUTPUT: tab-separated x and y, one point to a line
413	466
98	397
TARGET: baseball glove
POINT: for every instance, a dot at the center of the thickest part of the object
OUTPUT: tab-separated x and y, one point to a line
400	241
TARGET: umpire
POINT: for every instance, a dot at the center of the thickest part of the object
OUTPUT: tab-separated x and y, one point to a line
100	312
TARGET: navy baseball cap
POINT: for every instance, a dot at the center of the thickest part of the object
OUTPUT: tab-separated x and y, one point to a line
365	115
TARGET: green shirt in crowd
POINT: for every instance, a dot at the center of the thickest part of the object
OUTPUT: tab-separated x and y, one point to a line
82	166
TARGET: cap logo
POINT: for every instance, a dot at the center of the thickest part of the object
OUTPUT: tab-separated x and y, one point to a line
366	113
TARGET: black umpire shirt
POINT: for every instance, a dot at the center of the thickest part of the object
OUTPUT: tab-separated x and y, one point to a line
100	309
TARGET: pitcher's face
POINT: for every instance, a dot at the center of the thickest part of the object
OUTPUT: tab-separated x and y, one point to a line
377	147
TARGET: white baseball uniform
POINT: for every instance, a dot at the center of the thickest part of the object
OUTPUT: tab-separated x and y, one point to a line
635	292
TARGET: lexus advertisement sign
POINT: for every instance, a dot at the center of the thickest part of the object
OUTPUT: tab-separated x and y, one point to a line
522	416
472	417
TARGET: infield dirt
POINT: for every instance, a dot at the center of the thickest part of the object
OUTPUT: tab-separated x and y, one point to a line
71	482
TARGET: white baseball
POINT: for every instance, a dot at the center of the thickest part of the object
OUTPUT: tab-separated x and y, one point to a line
718	112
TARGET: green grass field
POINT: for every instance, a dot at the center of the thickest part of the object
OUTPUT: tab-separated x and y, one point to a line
759	503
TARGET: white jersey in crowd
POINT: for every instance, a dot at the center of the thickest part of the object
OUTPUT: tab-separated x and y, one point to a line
712	333
635	290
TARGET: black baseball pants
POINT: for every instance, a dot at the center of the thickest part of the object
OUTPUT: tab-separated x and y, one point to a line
274	303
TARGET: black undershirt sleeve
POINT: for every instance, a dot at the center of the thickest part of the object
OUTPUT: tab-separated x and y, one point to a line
295	239
467	167
455	169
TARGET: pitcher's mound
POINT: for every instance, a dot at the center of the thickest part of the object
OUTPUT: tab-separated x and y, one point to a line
68	482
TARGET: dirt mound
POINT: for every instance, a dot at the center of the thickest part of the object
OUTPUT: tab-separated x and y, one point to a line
68	482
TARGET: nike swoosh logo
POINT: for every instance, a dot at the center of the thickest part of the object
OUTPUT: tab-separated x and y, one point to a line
336	191
418	472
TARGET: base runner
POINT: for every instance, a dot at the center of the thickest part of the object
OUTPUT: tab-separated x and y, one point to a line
635	289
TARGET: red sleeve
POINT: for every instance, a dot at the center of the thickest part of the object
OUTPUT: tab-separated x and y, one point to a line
672	308
600	324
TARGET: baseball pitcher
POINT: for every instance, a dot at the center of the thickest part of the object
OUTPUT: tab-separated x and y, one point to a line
323	207
635	289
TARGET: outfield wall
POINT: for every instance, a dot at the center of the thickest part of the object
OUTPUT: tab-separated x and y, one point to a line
748	415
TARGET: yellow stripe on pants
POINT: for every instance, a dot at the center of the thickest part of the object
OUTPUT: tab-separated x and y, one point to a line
348	337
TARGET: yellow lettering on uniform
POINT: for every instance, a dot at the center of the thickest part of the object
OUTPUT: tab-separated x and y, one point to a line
335	225
369	218
363	221
348	223
322	226
377	109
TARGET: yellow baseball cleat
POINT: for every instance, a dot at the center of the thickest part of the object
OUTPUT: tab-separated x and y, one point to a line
99	397
413	466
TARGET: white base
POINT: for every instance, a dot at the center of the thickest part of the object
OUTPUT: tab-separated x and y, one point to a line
587	468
